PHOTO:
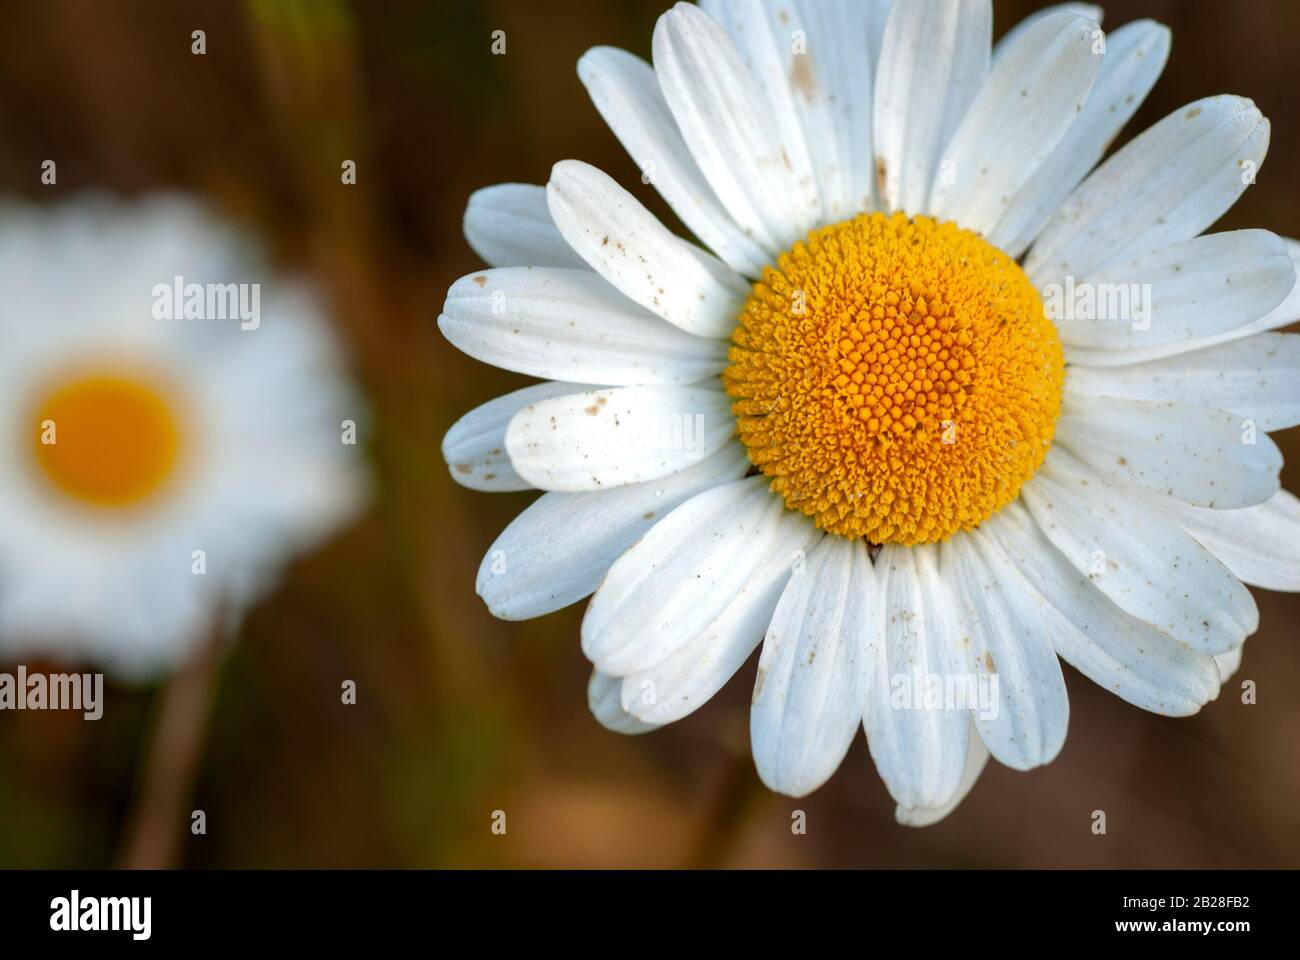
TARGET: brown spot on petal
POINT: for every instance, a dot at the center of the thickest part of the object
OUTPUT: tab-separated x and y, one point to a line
801	77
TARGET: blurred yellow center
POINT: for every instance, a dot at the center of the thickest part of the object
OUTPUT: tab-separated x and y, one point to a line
106	440
897	378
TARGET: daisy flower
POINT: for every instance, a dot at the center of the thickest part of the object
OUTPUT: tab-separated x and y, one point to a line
162	461
931	406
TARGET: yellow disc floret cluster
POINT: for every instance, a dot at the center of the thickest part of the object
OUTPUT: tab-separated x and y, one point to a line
105	440
897	378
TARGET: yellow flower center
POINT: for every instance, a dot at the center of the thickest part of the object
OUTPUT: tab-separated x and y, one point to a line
897	378
106	440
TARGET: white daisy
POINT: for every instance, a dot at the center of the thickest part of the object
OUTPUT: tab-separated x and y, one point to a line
850	431
155	469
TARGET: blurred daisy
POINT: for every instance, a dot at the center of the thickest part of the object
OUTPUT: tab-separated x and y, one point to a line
878	425
162	461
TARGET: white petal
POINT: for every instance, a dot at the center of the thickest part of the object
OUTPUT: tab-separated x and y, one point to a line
1021	113
1199	454
626	245
687	678
1089	10
934	57
626	92
556	551
609	438
1135	57
808	56
1229	663
977	756
877	12
509	225
475	446
810	690
1167	185
1144	563
1024	725
836	96
676	580
763	35
1197	288
603	693
1286	313
571	325
1258	544
1127	656
1257	378
747	148
920	749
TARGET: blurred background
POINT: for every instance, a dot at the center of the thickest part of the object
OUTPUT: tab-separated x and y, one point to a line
458	714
